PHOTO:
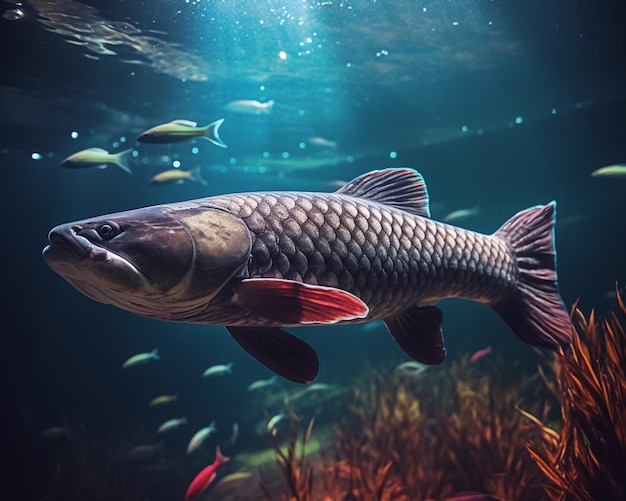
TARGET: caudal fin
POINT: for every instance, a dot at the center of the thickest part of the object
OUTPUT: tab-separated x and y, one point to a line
219	457
196	175
212	133
121	160
535	310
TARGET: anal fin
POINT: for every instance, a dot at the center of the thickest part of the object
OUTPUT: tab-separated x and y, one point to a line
279	351
418	332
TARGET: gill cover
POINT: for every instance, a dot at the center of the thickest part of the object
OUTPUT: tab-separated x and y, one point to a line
222	246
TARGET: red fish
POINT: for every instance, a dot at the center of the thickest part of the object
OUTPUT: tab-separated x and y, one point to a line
480	354
205	477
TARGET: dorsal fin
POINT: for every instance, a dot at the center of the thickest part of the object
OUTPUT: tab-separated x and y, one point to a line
401	188
188	123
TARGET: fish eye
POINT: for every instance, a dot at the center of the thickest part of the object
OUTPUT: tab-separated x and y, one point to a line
108	230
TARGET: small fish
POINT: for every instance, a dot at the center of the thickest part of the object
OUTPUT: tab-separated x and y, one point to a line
177	131
295	162
233	479
250	107
310	388
56	432
141	358
205	477
410	369
480	354
163	399
172	424
262	384
616	170
177	176
199	437
234	435
218	370
618	290
273	421
143	452
459	215
322	143
97	157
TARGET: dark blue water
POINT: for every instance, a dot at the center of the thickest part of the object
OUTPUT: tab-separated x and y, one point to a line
501	105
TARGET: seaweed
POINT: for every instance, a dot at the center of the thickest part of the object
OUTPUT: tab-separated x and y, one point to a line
294	466
453	432
585	459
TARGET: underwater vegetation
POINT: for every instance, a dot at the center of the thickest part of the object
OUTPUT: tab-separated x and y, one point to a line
295	467
488	428
430	437
585	459
466	429
456	431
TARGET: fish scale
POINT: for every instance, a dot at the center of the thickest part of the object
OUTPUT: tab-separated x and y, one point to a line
387	257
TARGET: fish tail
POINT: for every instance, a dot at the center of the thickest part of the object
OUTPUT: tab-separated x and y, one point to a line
121	160
219	457
534	310
155	354
268	106
196	175
229	367
212	133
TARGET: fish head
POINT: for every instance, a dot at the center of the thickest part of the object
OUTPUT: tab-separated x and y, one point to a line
164	262
154	135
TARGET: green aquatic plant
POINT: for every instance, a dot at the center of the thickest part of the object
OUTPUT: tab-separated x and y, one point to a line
584	461
293	463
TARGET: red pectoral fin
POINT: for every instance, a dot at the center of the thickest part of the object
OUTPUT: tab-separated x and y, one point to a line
289	302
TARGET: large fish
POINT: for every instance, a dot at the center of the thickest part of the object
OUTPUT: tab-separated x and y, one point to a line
256	262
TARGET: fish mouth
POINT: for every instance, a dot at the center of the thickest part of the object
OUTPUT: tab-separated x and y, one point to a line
66	243
72	256
95	271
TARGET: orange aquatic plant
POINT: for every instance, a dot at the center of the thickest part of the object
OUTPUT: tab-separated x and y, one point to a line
457	430
585	460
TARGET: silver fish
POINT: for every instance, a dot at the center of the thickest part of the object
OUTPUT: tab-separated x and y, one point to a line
250	107
199	437
256	262
182	130
616	170
97	157
174	176
410	369
141	358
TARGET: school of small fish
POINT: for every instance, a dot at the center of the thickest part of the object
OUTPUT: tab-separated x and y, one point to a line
179	424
